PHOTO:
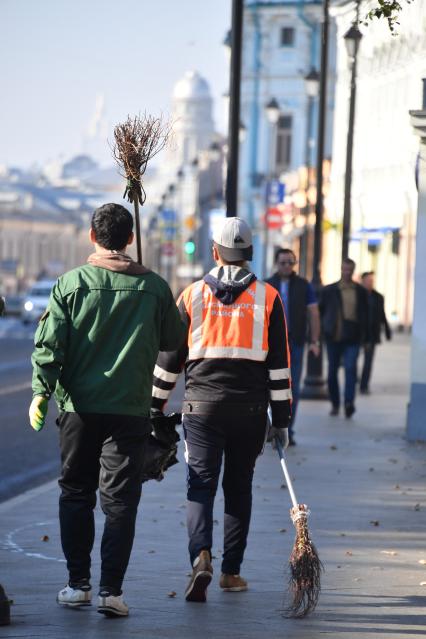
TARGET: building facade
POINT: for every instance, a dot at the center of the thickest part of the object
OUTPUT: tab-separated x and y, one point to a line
384	193
281	46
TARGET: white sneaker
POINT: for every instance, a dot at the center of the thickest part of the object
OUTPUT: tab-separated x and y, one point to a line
112	606
74	597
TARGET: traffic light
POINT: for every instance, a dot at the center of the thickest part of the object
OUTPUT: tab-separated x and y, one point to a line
189	247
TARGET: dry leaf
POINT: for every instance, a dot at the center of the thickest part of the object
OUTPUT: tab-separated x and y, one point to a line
417	507
392	553
151	552
349	552
343	534
333	447
338	566
397	487
283	486
45	538
375	522
171	594
282	530
371	470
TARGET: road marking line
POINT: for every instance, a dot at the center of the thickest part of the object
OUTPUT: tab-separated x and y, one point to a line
15	389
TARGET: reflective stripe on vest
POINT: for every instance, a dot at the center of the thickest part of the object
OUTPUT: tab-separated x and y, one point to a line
198	350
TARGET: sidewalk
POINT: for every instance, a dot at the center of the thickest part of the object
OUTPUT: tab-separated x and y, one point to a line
365	486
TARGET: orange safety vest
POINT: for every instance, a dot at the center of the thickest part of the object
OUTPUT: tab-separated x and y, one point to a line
238	330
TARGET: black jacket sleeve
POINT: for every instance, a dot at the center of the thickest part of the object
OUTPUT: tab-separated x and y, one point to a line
278	363
383	318
169	366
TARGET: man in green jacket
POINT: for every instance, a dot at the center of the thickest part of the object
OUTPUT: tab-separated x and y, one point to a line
95	350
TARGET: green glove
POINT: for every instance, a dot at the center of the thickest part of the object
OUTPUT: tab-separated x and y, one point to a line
38	412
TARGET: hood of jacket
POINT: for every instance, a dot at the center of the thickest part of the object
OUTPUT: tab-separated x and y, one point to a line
228	282
117	262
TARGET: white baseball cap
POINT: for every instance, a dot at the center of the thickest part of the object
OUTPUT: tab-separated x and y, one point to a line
234	239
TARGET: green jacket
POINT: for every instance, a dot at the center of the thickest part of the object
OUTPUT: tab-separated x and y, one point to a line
98	341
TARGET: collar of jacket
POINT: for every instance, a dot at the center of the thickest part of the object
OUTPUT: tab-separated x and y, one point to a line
117	262
228	282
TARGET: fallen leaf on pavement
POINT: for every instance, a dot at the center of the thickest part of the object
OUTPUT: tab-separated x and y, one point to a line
282	530
343	534
371	470
45	538
349	552
417	507
397	487
151	552
375	522
171	594
333	447
283	486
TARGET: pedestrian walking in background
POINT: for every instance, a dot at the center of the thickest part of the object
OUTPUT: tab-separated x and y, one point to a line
301	310
95	350
376	320
236	362
344	315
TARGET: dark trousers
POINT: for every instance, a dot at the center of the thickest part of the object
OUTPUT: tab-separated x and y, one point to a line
207	440
367	366
296	356
105	452
338	353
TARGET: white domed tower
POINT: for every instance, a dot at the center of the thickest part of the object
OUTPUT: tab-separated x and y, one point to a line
192	116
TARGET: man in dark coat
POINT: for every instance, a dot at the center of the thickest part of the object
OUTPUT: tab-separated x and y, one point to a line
301	307
344	314
376	319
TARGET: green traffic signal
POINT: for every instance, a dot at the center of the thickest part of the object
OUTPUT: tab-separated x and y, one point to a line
190	247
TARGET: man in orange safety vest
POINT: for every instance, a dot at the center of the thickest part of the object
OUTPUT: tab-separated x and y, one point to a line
236	361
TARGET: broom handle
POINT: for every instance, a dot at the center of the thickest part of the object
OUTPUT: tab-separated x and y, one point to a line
138	229
286	473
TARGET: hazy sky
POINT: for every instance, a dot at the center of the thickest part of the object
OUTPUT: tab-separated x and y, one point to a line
56	56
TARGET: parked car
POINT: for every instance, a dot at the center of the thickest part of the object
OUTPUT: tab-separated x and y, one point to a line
13	305
36	300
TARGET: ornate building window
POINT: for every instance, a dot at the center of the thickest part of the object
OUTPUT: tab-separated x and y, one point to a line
287	37
284	140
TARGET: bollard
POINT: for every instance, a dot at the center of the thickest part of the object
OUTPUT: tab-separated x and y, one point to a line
4	608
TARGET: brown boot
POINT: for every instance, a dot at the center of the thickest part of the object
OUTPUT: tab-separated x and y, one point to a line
202	574
232	583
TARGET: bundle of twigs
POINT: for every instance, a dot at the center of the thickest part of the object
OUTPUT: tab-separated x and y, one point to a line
305	566
137	141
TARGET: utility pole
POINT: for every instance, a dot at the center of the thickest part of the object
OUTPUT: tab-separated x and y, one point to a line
234	108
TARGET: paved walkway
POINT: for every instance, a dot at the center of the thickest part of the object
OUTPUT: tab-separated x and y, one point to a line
365	486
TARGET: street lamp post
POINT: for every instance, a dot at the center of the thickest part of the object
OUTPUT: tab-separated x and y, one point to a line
311	88
352	40
314	387
234	108
272	110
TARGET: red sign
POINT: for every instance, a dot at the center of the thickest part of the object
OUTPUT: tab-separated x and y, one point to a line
273	218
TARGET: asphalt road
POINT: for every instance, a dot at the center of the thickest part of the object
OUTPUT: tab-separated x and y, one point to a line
27	458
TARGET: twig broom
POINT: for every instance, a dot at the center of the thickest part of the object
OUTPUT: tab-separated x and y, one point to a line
137	140
305	565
